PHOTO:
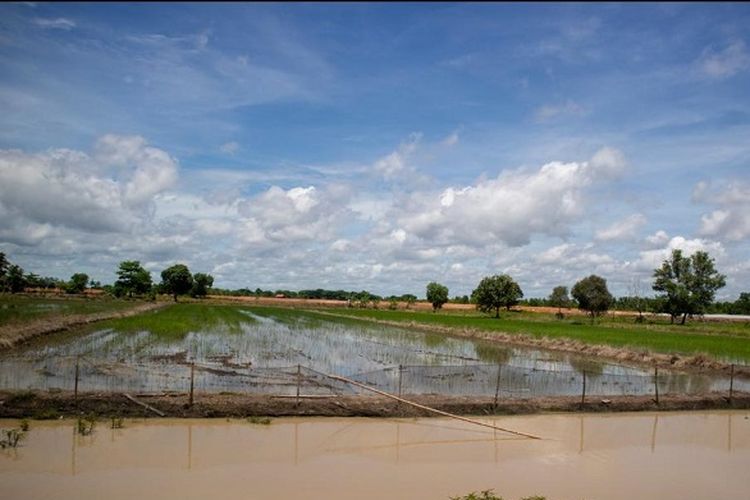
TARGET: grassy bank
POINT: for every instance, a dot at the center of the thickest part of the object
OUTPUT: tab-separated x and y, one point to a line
22	308
725	341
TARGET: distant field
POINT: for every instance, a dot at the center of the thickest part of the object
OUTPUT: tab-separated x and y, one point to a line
21	309
727	341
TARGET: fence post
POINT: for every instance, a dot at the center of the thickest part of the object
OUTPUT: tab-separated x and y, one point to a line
731	382
583	393
299	381
400	371
75	385
656	383
497	387
192	381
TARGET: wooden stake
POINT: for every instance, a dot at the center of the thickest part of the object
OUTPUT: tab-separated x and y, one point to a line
497	387
299	381
400	371
192	381
75	386
583	393
656	383
427	408
731	382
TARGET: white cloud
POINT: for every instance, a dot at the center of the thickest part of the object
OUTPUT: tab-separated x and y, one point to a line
75	190
729	61
652	259
396	164
731	221
623	229
658	239
59	23
451	140
510	208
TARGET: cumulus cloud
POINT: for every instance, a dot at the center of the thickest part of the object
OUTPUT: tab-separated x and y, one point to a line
76	190
624	229
724	63
731	220
652	259
509	208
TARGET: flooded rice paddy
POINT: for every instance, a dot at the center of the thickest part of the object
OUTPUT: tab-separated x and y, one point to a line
261	352
616	456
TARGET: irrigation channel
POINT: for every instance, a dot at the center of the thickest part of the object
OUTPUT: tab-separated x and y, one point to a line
282	353
608	457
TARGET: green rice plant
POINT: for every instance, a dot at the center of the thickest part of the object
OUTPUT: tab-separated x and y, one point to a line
24	425
85	425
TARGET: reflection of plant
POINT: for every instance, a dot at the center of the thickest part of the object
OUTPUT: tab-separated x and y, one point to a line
11	437
490	495
259	420
85	426
117	423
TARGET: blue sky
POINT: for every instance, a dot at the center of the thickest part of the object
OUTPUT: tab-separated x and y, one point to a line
376	146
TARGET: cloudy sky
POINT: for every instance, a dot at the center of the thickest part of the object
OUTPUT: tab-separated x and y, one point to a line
376	147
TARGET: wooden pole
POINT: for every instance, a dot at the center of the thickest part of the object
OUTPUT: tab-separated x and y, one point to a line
75	385
192	381
583	392
656	383
400	371
497	388
427	408
148	407
299	381
731	382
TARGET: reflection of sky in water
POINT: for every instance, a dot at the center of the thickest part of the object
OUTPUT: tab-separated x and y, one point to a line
263	356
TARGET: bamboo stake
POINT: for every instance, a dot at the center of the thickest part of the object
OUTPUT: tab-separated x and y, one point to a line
583	393
192	381
731	383
427	408
656	383
148	407
299	380
75	386
497	388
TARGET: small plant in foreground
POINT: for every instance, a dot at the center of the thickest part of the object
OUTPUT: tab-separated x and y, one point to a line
259	420
11	437
24	425
85	425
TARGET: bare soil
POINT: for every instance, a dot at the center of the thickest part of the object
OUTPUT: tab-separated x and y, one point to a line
14	334
46	405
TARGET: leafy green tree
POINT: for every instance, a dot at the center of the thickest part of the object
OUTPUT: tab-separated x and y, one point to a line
14	279
437	295
494	292
742	304
176	280
592	295
3	266
77	283
201	284
132	278
688	284
559	298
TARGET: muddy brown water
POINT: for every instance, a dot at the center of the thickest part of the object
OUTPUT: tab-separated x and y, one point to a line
693	455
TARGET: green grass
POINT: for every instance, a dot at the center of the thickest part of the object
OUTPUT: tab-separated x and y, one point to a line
721	340
177	320
19	308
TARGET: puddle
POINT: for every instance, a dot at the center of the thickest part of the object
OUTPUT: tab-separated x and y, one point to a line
262	355
622	456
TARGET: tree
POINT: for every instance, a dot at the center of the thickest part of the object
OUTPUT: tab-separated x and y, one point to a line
14	279
437	295
132	279
497	291
635	293
559	298
688	284
176	280
201	284
77	283
592	295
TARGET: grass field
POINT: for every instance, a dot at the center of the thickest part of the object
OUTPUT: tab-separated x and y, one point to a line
21	309
727	341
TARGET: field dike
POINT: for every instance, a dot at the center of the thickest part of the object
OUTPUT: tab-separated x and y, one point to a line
55	405
14	334
696	362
